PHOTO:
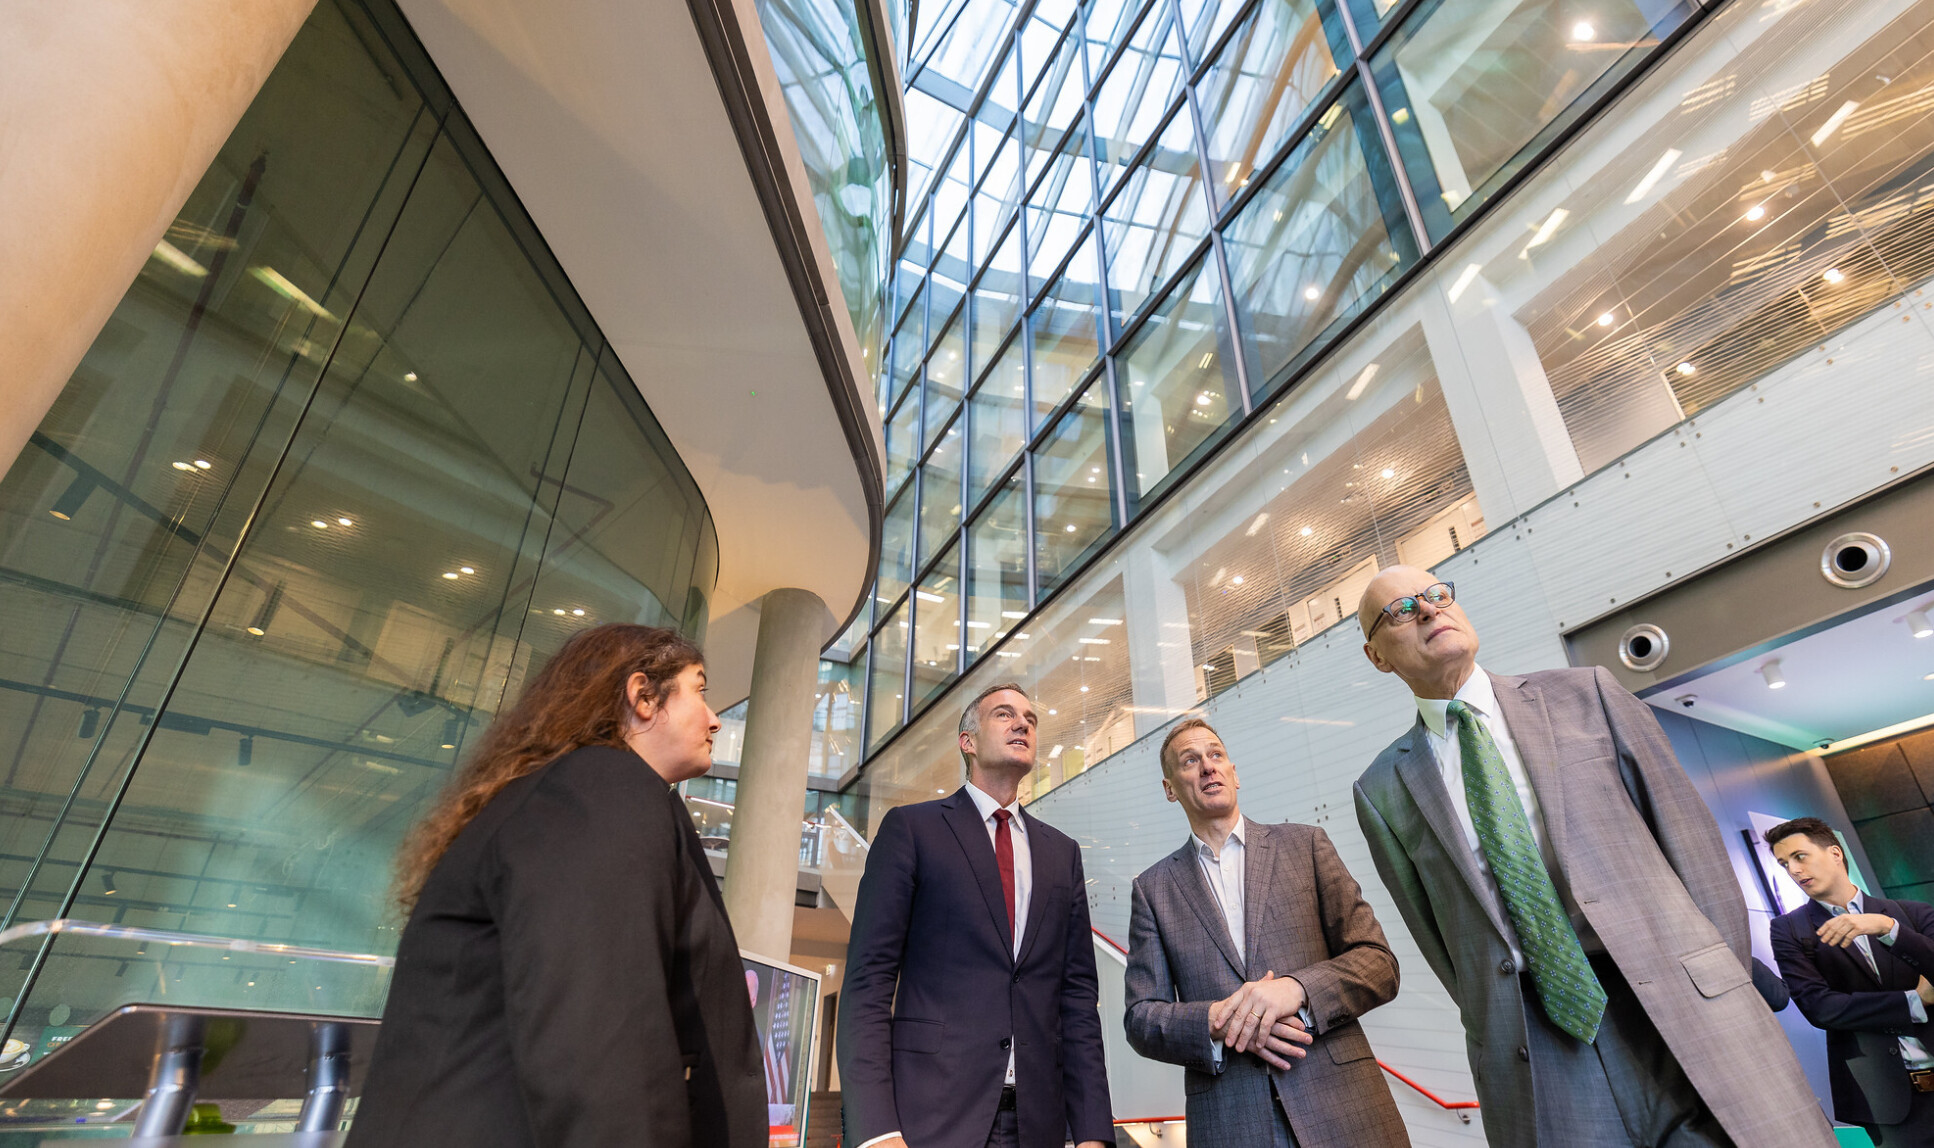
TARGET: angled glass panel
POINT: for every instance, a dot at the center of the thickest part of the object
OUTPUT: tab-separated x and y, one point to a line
1059	207
896	547
951	191
1203	21
1178	386
911	267
936	635
946	379
902	439
887	689
1105	26
1073	504
933	21
998	196
947	283
1321	240
940	492
1260	85
997	415
967	50
1156	221
1475	90
1065	330
1054	106
909	343
931	125
1138	90
997	570
997	299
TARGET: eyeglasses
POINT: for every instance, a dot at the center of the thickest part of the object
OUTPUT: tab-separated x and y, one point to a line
1405	610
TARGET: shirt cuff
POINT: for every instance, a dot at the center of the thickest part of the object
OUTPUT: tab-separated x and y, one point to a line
1307	1017
1215	1058
1915	1007
1893	934
878	1139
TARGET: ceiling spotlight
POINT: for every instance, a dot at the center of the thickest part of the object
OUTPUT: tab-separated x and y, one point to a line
1203	399
1755	213
1583	33
1389	473
559	613
409	377
1306	531
1070	528
179	465
345	522
578	611
319	524
1927	677
203	464
1918	625
1771	672
452	575
1687	369
1607	319
1237	580
1312	294
467	569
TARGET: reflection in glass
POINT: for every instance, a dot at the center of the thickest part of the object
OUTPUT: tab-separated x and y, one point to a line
1054	107
1065	332
947	282
936	642
886	693
940	493
1058	207
946	375
1177	386
909	343
896	547
902	439
997	569
1323	239
931	126
1156	221
999	195
1261	83
1471	88
997	299
999	430
1073	510
1105	25
1138	90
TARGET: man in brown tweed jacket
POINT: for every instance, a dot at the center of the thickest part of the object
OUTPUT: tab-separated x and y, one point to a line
1251	954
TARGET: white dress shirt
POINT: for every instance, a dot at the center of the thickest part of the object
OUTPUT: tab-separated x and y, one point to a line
1478	694
1911	1049
1224	874
1023	886
1023	868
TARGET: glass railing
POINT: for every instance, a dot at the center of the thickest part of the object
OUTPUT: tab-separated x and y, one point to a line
104	968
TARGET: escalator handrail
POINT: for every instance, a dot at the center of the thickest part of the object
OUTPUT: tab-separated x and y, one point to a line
80	928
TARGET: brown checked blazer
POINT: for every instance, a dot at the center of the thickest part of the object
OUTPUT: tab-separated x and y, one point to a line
1644	861
1305	917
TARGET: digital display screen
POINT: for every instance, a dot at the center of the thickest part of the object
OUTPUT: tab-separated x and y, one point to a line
785	1005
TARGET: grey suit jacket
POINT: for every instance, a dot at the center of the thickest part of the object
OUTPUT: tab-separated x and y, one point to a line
1305	917
1644	861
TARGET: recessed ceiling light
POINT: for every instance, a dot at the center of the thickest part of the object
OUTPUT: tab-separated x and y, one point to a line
1237	580
182	466
319	524
1306	531
467	569
203	464
1051	713
410	377
451	574
1755	213
1687	369
1832	275
559	613
1070	528
1582	32
579	612
1312	294
1607	319
345	522
1389	473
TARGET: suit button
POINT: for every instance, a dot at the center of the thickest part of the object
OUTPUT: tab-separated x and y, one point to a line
1007	1042
1506	966
1524	1053
1017	978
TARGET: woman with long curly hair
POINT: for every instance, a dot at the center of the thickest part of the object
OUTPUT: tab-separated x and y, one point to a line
568	976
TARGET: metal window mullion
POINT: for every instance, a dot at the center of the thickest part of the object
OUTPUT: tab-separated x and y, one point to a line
1206	175
1116	465
1027	511
1405	192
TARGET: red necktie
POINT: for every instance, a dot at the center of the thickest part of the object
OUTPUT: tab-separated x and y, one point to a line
1004	857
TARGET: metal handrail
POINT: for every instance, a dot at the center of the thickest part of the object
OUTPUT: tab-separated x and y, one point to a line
834	813
81	928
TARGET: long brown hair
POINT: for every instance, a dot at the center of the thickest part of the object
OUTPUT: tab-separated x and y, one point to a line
577	699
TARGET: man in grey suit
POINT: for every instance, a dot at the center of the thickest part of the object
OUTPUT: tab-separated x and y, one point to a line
1570	888
1246	945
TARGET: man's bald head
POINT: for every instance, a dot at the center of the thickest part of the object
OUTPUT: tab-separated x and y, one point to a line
1387	587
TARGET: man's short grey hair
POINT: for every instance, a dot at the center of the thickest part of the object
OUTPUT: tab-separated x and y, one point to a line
970	717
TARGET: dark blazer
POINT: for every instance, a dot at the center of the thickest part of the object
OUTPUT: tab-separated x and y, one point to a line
569	978
1864	1015
1303	916
933	993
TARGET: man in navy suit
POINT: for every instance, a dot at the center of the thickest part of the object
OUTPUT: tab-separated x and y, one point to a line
1857	966
969	1013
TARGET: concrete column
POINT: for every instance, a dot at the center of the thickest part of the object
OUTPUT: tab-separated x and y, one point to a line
762	864
111	112
1501	406
1161	658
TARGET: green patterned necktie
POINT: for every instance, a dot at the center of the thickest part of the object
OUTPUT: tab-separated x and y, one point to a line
1567	987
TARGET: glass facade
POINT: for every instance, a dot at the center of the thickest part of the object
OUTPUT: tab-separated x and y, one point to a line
346	463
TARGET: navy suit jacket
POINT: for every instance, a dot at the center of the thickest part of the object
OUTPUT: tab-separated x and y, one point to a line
1864	1015
933	994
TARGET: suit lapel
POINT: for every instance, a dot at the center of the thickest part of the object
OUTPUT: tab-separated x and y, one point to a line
1258	873
964	819
1195	890
1037	901
1522	707
1818	915
1417	768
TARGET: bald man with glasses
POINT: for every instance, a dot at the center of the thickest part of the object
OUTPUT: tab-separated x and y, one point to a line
1572	891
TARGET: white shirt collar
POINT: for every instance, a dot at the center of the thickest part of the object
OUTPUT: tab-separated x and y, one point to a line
1476	692
1235	835
1853	906
987	805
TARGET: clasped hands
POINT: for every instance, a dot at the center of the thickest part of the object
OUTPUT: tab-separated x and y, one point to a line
1260	1017
1842	930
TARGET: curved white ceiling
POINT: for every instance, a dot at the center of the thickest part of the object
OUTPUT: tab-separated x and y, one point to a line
608	122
